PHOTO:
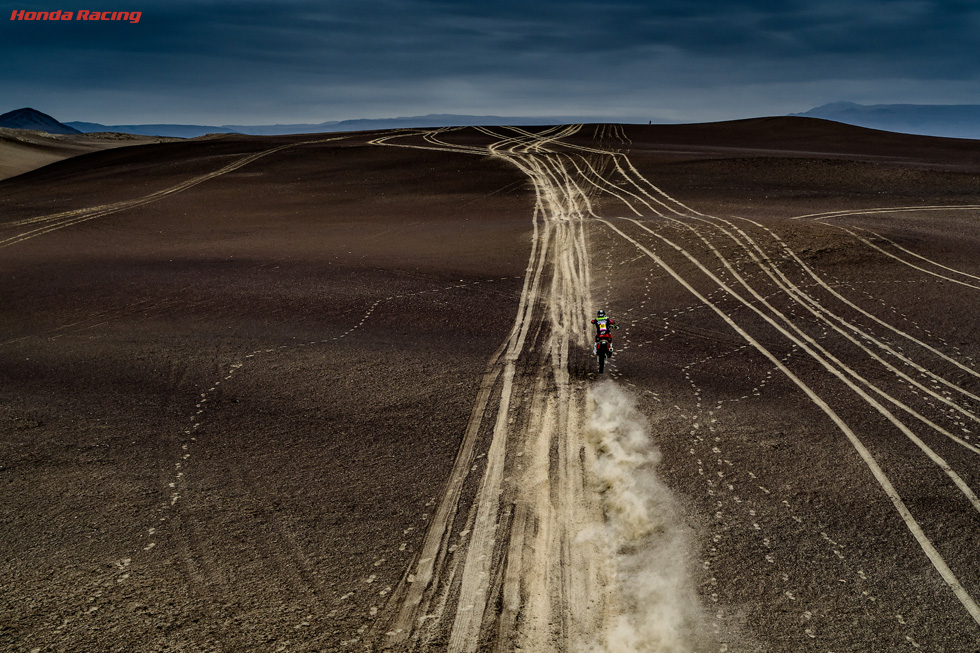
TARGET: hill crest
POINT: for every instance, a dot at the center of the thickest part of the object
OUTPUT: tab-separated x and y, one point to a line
32	119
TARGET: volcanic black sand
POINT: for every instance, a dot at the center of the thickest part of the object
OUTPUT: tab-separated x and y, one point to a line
333	392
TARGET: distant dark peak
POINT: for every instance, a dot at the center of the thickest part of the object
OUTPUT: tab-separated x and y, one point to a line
28	118
26	113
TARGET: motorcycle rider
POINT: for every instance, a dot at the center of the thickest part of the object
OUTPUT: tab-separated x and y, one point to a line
603	329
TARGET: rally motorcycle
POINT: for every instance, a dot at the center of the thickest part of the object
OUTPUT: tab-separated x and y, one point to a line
603	350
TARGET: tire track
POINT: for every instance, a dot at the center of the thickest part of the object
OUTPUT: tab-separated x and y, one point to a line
900	209
924	542
919	268
568	178
526	551
48	223
521	547
667	210
822	313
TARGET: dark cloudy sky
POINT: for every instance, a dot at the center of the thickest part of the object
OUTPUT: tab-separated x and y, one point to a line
248	62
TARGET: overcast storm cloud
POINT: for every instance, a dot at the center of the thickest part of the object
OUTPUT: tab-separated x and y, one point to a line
217	62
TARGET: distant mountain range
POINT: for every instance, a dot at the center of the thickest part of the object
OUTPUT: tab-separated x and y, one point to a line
431	120
180	131
952	120
956	121
33	119
363	124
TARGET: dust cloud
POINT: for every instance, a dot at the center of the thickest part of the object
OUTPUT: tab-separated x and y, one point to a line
647	546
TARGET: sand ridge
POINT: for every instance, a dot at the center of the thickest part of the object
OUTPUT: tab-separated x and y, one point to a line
23	150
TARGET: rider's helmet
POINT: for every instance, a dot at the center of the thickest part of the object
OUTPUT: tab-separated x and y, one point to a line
601	314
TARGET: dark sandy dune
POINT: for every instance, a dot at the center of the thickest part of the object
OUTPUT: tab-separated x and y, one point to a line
23	150
236	373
